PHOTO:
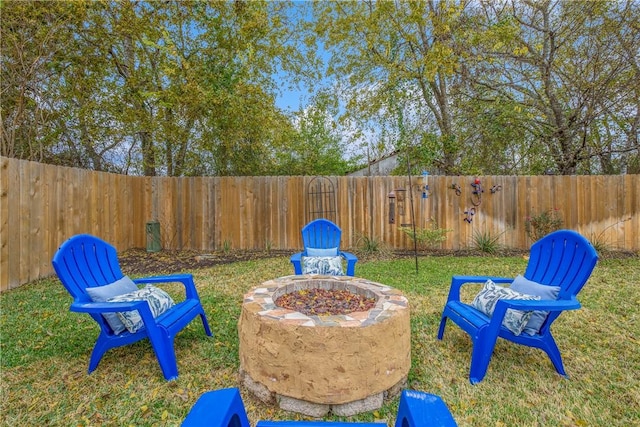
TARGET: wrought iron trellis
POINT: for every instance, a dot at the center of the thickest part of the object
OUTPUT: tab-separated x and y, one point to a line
321	199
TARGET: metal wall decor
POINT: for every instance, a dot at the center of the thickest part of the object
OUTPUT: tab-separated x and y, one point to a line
392	207
469	213
476	194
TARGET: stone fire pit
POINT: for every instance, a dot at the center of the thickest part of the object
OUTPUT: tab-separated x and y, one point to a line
345	364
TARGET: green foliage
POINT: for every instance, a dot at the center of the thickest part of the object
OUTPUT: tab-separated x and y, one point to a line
539	225
370	245
486	242
226	246
394	62
188	88
600	243
316	146
457	72
427	238
153	88
599	240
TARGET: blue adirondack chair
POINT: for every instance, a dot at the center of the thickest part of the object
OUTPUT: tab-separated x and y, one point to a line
562	259
321	237
85	261
225	408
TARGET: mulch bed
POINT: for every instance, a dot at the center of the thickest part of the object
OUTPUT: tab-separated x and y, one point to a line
141	262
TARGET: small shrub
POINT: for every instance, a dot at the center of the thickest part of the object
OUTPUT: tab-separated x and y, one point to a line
600	243
427	237
538	226
369	245
226	246
486	242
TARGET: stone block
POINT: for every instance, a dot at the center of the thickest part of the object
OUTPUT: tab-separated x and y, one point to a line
303	407
259	390
370	403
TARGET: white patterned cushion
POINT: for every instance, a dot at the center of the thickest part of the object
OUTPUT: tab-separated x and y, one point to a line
487	298
324	265
103	293
159	302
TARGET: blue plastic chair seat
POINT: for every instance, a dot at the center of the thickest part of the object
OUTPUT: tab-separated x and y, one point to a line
322	234
563	258
85	261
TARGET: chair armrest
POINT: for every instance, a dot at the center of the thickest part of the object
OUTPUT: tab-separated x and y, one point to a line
296	260
418	408
185	279
142	306
218	408
109	307
351	262
546	305
458	281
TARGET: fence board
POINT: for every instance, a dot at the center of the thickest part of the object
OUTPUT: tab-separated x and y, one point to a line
9	247
43	205
631	208
23	223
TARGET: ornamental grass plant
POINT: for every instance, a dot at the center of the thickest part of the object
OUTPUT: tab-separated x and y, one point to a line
45	351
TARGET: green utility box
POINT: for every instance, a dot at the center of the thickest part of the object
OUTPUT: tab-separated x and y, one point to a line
153	236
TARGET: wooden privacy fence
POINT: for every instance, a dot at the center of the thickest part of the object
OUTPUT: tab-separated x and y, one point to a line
43	205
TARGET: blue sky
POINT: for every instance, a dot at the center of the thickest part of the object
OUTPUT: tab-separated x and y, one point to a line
291	100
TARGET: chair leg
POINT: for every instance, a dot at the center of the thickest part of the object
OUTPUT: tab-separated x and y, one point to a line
351	268
99	349
443	323
551	348
480	357
205	324
166	355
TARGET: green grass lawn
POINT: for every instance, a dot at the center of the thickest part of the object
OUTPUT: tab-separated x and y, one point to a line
45	351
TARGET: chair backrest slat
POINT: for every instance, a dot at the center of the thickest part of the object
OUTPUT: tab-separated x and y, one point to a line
85	261
563	258
321	233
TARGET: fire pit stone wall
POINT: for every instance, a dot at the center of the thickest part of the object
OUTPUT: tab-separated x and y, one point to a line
344	364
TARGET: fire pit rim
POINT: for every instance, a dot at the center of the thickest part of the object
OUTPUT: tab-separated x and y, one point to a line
388	300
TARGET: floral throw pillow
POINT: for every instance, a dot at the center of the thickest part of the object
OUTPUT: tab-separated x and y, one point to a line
324	265
159	302
487	298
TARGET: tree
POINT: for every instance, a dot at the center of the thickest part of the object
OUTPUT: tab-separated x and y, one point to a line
188	87
559	63
316	147
171	88
390	55
492	87
32	36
